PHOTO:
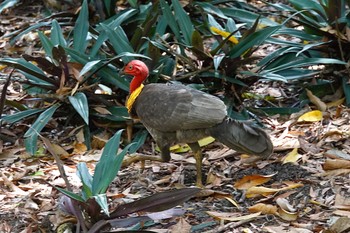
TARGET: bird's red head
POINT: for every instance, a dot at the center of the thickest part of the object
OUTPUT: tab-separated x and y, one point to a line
139	70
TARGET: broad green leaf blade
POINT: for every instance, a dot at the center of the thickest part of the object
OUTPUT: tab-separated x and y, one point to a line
31	144
46	43
311	5
133	3
86	178
170	19
138	141
108	166
7	4
183	21
254	39
299	34
23	65
210	9
246	16
157	202
80	104
41	121
29	29
89	66
119	40
20	115
31	136
101	199
57	37
307	62
70	194
81	28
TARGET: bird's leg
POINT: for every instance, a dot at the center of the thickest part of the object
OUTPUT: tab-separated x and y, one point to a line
197	153
139	157
165	157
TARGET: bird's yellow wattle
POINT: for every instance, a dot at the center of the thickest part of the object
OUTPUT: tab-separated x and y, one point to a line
133	96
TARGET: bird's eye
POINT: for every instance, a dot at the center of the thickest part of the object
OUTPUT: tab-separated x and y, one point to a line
130	67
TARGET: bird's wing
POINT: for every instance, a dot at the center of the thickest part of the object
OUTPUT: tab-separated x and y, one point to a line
171	107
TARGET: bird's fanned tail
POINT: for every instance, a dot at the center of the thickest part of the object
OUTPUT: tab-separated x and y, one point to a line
242	138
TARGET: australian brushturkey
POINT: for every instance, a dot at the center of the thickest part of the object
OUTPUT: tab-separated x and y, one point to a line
174	113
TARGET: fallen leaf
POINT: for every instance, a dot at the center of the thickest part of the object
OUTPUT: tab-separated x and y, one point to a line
287	216
263	208
316	101
336	103
334	154
252	180
342	213
224	34
284	204
181	226
292	157
332	164
183	148
233	202
256	191
231	217
311	116
341	225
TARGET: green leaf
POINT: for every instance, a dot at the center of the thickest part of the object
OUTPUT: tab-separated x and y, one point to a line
7	4
80	103
170	19
70	194
133	3
20	115
57	37
306	62
246	16
107	73
23	65
86	178
310	5
29	29
101	199
108	166
46	43
31	136
254	39
138	141
119	40
183	21
157	202
81	28
89	66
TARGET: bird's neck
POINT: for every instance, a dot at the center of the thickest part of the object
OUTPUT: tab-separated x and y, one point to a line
136	82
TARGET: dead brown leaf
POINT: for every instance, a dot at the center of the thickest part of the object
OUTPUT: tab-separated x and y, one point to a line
333	164
263	208
182	226
252	180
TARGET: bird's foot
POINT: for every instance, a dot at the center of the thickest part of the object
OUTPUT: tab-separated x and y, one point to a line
139	158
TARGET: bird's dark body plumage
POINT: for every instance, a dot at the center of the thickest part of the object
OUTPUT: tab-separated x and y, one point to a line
182	114
174	113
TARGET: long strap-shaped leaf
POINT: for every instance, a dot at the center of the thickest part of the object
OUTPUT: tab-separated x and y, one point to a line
31	136
80	103
157	202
